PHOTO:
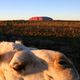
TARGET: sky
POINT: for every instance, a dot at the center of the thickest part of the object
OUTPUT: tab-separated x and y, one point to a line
24	9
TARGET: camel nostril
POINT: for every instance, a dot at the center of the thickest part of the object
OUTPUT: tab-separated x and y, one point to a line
18	67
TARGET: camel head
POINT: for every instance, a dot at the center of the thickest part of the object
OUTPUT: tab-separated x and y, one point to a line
18	62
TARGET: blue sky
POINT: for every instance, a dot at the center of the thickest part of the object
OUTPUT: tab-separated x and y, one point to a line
24	9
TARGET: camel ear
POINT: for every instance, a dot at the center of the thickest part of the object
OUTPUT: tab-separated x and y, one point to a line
6	47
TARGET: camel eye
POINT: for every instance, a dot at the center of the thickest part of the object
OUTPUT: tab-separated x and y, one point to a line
63	62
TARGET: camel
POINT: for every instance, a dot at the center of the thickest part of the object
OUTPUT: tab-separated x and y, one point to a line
18	62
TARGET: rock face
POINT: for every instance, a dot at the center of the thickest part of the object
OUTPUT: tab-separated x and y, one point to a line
41	19
18	62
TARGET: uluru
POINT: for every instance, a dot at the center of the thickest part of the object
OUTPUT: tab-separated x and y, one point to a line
41	18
